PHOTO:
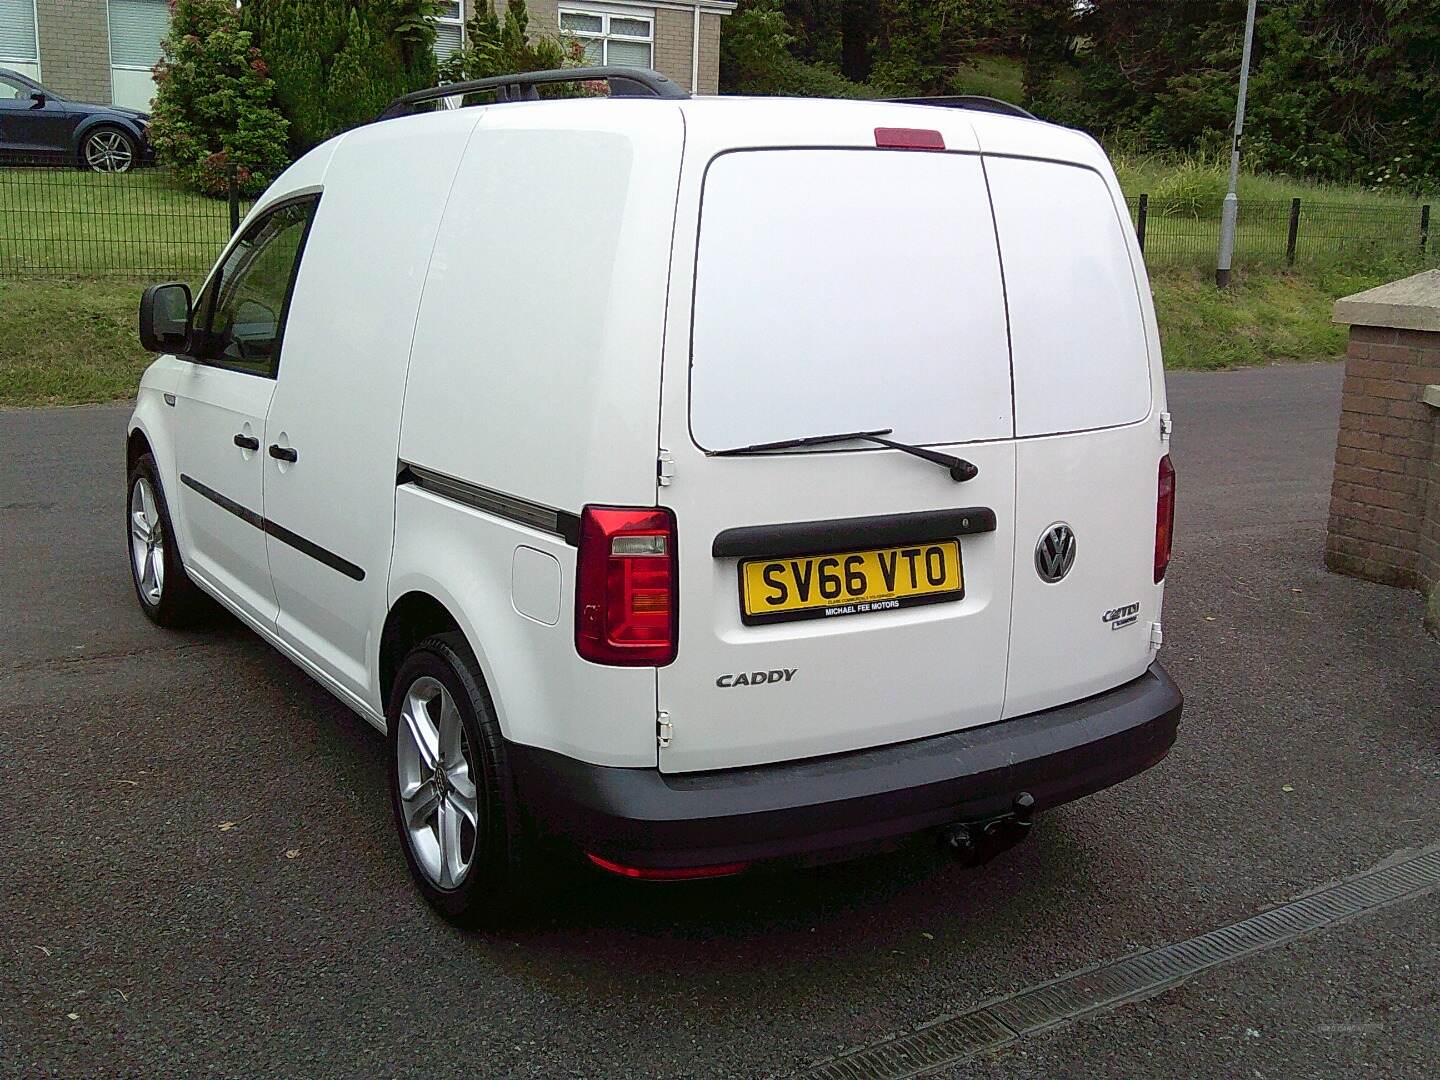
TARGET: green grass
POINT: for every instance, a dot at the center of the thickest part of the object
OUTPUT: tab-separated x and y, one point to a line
65	342
1186	183
140	223
990	76
1260	319
68	342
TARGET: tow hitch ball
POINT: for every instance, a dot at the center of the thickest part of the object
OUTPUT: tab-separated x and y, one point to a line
975	843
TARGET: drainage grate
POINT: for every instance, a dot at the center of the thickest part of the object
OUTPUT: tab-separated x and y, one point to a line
956	1039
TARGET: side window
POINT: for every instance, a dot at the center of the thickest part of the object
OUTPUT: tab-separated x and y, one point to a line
241	315
12	91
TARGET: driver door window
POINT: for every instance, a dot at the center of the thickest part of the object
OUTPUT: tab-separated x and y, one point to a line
241	314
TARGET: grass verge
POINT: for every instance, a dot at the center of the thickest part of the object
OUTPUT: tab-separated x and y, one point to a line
73	342
68	342
1260	319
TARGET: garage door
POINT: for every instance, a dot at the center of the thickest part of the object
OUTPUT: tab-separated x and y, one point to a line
136	27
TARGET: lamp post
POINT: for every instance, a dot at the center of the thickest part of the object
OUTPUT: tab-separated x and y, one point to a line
1231	205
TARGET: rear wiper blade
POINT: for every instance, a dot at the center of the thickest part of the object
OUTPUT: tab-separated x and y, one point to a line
960	469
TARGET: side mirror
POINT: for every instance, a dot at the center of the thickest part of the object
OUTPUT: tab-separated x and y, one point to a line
165	317
39	99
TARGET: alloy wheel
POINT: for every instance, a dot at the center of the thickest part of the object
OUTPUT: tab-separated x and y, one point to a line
147	542
109	151
437	783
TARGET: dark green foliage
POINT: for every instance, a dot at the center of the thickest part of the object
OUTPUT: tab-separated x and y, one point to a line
214	102
503	45
1342	90
338	63
1339	89
755	58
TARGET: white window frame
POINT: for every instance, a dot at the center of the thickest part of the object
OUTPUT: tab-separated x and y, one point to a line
11	61
459	24
605	12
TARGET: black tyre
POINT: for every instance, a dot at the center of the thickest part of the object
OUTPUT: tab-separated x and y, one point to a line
166	594
460	823
108	149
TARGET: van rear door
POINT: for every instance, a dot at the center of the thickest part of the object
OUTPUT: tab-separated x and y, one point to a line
1089	443
846	595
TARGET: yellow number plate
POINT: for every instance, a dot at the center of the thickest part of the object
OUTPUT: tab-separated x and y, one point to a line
849	583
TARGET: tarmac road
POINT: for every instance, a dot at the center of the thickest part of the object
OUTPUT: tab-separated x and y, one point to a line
200	873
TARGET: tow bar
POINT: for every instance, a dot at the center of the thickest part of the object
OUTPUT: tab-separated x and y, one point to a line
974	843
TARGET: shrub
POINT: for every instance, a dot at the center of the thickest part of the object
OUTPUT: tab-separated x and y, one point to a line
503	45
214	102
755	58
338	63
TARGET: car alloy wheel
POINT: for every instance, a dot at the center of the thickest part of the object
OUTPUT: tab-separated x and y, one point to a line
147	542
437	783
109	151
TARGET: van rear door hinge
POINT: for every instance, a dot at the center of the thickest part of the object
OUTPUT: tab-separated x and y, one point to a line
663	729
1157	636
665	468
1166	425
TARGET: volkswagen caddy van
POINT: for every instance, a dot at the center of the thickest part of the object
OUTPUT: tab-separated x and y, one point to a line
693	484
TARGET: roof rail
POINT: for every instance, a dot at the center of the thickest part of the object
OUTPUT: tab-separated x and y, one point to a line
968	101
623	82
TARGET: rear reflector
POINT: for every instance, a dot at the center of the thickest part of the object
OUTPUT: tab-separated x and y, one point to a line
1164	518
626	585
908	139
678	873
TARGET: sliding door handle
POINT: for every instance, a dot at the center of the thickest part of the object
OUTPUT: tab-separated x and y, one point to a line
284	453
247	442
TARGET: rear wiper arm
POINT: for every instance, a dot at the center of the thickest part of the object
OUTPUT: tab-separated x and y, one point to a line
960	469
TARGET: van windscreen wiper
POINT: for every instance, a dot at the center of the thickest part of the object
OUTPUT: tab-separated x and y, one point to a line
960	469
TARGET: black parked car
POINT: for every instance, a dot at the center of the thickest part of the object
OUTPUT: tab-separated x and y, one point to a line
39	127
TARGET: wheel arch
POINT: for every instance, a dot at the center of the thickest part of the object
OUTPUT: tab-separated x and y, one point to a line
416	615
91	123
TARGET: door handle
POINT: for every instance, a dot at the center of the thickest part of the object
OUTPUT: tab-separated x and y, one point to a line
247	442
284	453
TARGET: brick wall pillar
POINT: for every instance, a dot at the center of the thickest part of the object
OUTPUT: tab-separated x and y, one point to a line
1385	502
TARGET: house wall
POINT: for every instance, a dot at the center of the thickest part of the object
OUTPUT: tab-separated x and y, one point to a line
75	48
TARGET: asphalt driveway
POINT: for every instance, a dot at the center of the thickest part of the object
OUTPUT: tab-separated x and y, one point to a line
199	871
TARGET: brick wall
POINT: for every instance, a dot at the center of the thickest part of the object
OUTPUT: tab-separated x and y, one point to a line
1385	460
75	48
674	32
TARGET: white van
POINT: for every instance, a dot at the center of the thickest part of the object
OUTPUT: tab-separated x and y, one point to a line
704	483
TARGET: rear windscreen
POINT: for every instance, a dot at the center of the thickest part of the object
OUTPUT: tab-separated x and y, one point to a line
847	290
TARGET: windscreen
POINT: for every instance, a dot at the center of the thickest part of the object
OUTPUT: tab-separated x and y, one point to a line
847	290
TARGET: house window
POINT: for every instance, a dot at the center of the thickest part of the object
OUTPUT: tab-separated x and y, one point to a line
611	37
136	30
449	28
19	48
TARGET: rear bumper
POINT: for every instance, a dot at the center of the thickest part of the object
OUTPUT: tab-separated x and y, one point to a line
830	807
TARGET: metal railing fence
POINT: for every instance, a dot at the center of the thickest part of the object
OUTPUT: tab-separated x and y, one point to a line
65	222
62	222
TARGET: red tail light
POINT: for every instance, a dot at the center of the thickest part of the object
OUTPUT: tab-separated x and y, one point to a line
679	873
1164	518
626	590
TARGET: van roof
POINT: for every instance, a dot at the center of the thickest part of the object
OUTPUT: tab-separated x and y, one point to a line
720	123
963	122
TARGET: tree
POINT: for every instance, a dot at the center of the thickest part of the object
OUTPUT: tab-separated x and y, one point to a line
756	58
503	45
214	102
338	63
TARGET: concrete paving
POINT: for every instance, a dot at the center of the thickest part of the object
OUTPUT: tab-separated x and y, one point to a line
200	873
